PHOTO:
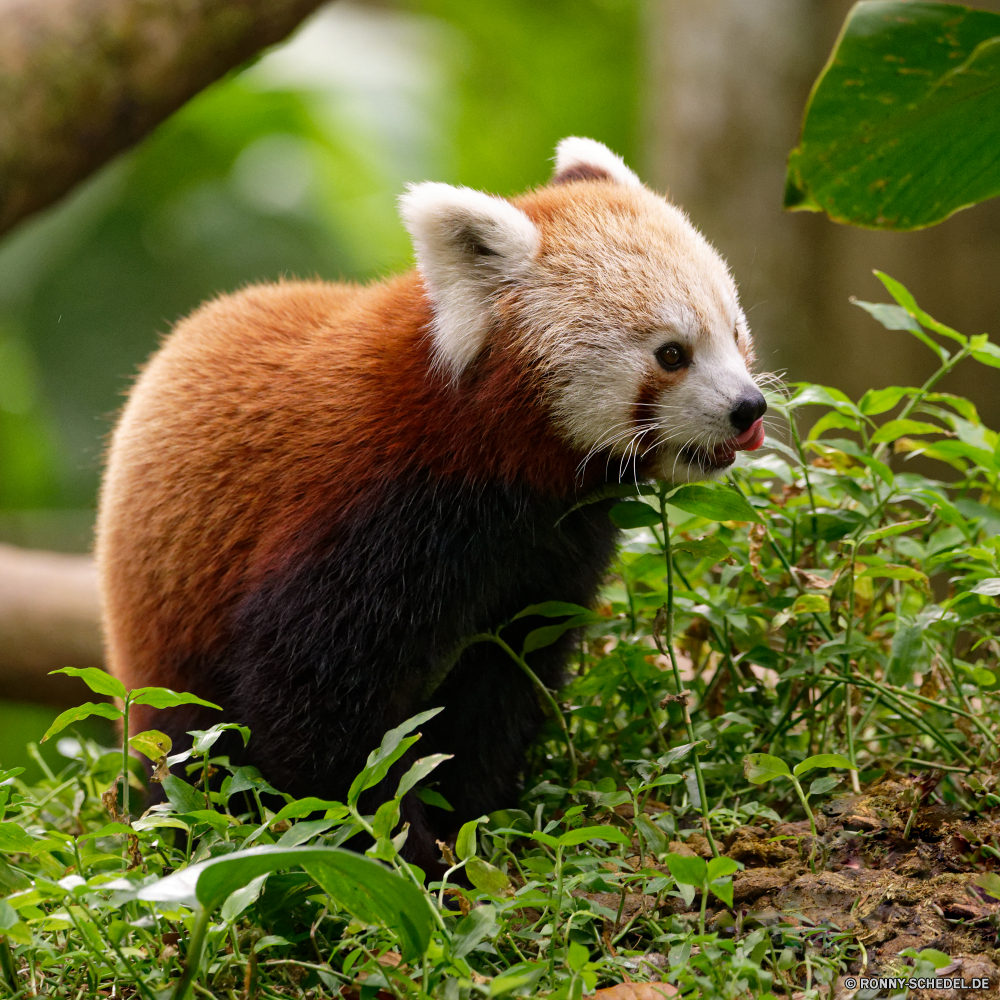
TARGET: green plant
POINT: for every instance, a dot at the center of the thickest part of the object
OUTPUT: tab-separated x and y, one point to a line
833	605
893	136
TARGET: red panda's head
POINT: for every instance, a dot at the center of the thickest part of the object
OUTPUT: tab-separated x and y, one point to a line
630	319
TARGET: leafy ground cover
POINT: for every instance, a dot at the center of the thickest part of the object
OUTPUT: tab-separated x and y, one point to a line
774	765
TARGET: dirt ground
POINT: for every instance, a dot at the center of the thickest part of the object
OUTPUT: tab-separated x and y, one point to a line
891	892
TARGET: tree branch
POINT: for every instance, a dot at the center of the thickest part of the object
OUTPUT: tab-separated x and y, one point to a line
49	618
82	80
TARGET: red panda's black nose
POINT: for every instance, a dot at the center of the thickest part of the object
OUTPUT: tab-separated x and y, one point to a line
747	410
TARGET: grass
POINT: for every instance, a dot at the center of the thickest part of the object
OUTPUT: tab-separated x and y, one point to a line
824	611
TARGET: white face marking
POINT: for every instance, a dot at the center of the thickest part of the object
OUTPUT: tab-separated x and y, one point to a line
607	276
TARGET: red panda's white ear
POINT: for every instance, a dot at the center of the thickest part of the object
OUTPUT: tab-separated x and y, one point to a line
580	159
468	245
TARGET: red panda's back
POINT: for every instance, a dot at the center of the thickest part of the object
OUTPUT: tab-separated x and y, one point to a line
250	417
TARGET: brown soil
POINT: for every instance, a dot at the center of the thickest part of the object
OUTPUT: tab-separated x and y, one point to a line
891	893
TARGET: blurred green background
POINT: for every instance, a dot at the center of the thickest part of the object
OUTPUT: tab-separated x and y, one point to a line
293	167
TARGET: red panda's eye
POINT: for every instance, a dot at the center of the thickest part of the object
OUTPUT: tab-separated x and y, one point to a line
736	334
671	357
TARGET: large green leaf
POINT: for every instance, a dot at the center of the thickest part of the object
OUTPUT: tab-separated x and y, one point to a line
364	888
715	503
900	128
761	767
84	711
99	681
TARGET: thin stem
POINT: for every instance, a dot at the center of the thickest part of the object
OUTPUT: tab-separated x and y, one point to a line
193	961
542	690
812	819
668	636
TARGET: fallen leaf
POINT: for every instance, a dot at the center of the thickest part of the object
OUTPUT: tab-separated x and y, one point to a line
636	991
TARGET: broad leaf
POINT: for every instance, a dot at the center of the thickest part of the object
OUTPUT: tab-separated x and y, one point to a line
151	743
99	681
720	867
394	745
546	635
687	870
486	877
472	930
761	767
587	833
876	401
84	711
714	503
364	888
634	514
419	771
465	843
159	697
822	760
553	609
893	131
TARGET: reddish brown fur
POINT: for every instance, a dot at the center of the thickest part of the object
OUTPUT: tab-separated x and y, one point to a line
267	412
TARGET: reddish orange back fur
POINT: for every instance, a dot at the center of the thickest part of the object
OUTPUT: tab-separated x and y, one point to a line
272	411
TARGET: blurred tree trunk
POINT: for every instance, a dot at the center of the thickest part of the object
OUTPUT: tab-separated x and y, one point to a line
729	85
82	80
49	618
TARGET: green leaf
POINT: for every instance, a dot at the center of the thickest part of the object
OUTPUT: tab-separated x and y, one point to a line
720	867
584	834
724	890
577	955
486	877
152	743
892	572
893	529
99	681
393	746
520	977
714	503
465	843
239	900
182	796
363	887
988	354
13	839
907	652
655	839
989	881
634	514
385	819
892	135
822	760
893	429
553	609
205	739
687	870
84	711
546	635
473	929
990	587
761	767
419	771
248	778
309	805
159	697
434	798
892	318
825	784
811	604
876	401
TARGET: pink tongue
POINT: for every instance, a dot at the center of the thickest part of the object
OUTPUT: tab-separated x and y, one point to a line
752	438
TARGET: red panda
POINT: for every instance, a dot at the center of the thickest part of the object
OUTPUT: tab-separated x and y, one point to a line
316	491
